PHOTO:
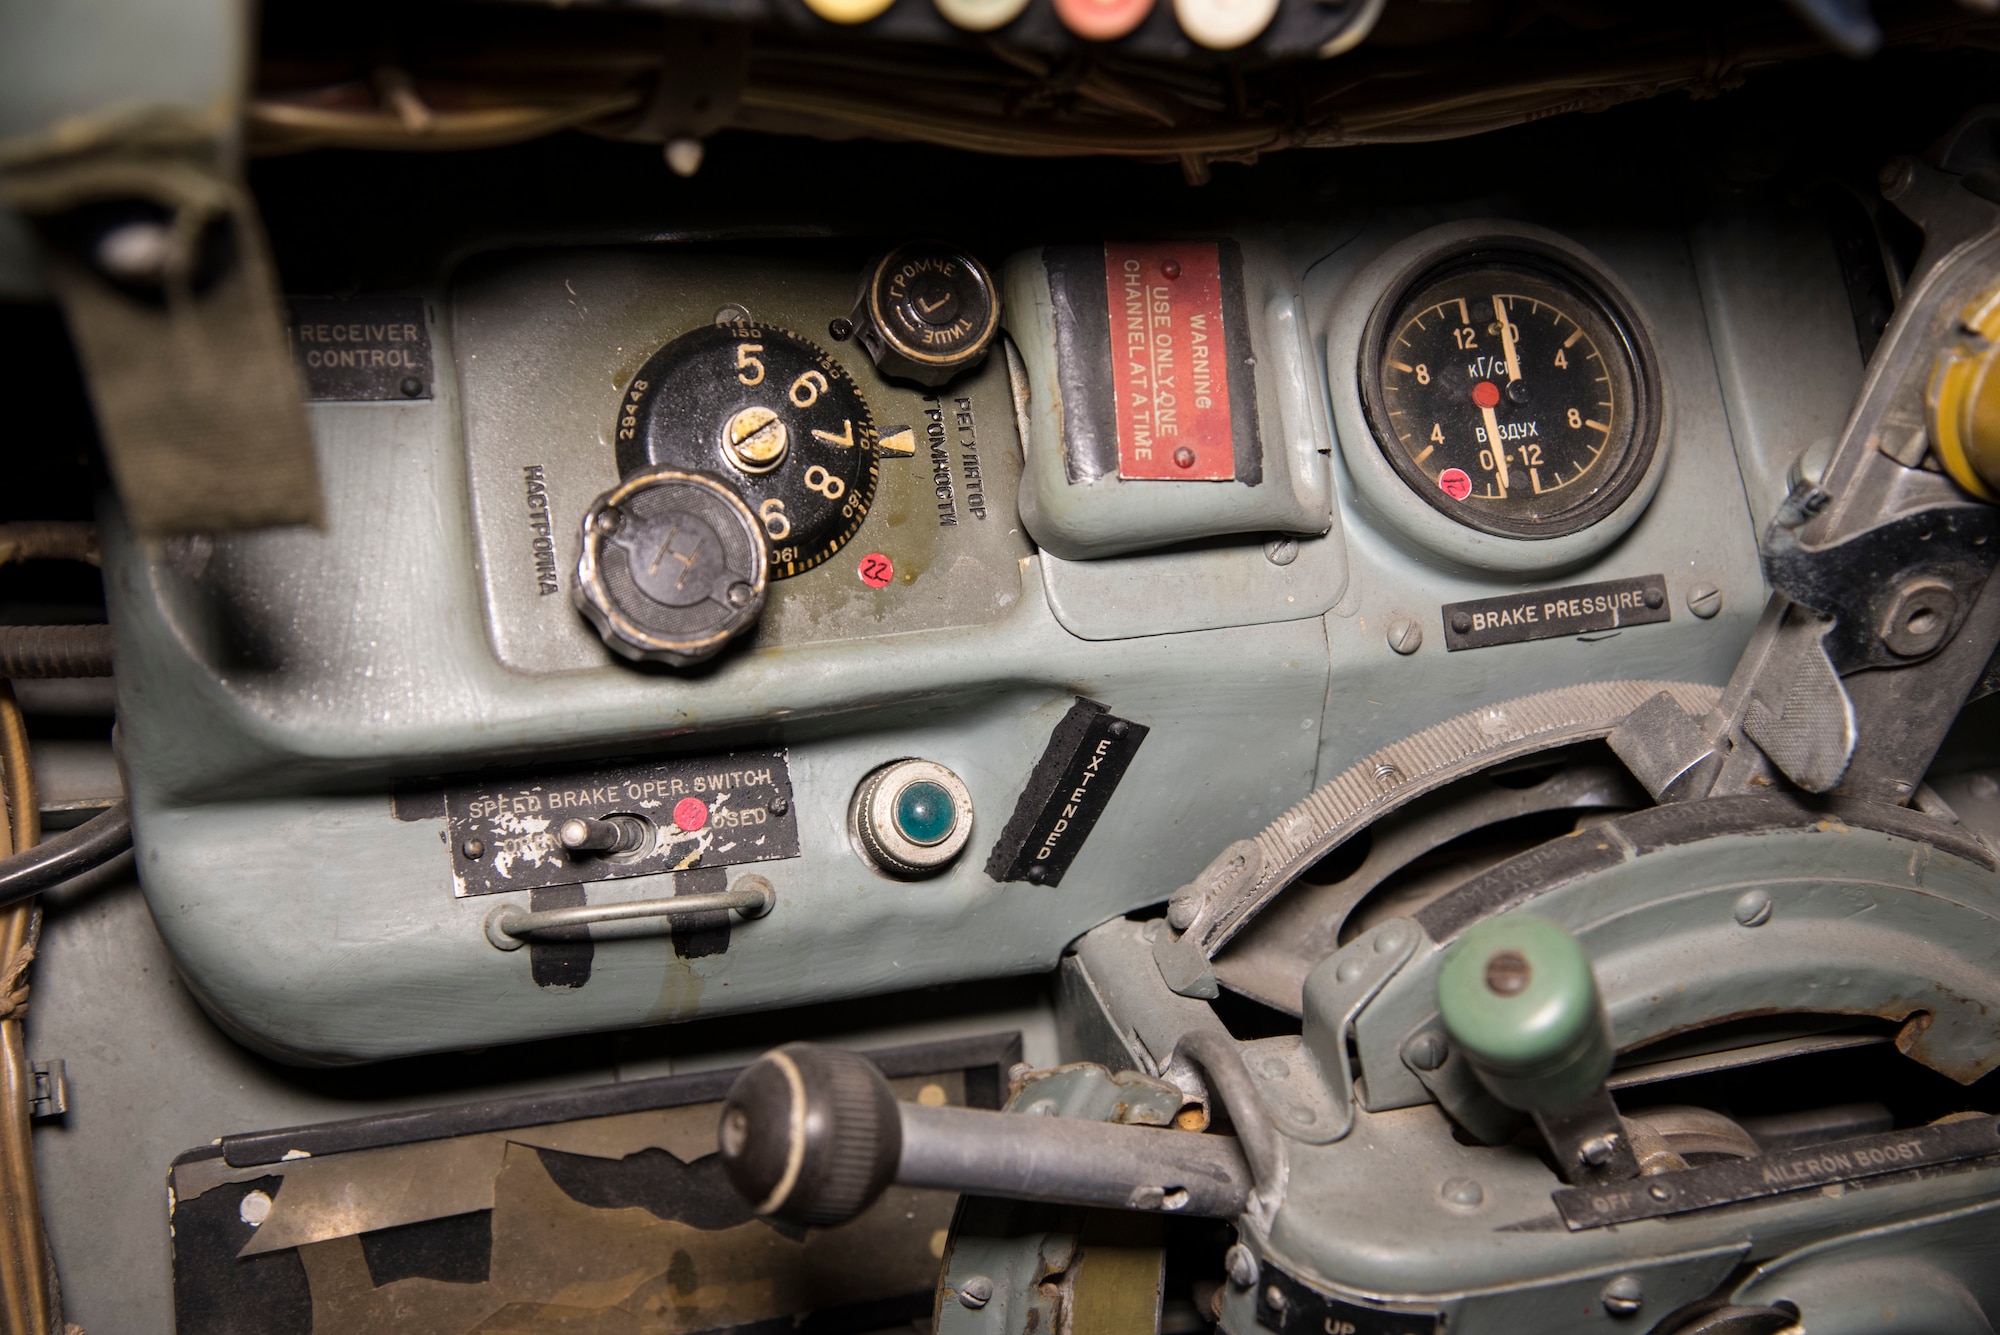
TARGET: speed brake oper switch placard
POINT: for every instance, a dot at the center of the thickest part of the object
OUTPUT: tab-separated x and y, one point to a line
1086	756
711	811
1153	361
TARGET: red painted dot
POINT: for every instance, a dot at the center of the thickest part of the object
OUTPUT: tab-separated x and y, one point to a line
1486	394
877	570
1455	483
690	814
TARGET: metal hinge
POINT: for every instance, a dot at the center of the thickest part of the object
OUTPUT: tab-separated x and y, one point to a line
51	1090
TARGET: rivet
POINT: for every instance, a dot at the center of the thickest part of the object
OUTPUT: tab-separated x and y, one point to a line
1654	598
1462	1191
1241	1265
607	521
1427	1051
839	330
1170	268
778	805
411	387
1461	622
473	848
1597	1151
976	1292
733	313
1274	1298
1623	1296
1037	873
1389	941
1753	908
1660	1191
1184	457
1704	600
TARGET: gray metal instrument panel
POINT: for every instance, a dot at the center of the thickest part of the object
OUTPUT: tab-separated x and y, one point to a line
287	683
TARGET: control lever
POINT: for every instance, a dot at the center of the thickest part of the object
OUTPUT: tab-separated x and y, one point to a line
1518	997
814	1135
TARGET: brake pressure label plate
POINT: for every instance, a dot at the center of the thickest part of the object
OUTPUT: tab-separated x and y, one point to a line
711	811
1603	608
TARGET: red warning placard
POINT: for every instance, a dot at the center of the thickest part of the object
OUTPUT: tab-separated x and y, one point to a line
1169	361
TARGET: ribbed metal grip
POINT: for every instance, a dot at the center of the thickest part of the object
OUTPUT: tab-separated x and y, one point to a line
811	1134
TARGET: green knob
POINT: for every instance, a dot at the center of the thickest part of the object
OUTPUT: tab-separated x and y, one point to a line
1519	999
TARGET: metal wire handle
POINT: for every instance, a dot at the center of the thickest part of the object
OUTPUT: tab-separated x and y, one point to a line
509	926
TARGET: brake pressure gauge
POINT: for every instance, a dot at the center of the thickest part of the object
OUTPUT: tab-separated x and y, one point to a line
771	415
1513	390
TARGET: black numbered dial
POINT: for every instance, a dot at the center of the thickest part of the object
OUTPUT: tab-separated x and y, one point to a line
1513	393
772	415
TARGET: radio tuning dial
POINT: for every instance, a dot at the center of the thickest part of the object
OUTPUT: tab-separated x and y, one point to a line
928	313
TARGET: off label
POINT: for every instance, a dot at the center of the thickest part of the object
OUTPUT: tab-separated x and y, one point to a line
1169	362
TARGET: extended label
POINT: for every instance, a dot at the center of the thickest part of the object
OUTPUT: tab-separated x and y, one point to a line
715	811
1169	361
368	349
1086	756
1579	609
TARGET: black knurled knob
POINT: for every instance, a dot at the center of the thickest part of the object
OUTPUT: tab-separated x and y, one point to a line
811	1134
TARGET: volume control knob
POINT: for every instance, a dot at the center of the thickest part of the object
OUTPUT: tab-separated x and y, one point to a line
673	565
928	313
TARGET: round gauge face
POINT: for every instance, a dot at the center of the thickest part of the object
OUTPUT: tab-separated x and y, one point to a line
1513	392
770	414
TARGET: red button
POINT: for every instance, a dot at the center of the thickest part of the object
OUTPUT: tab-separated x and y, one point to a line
1102	20
690	814
1486	394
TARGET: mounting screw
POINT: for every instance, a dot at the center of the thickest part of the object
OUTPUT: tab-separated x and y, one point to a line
976	1292
1897	175
1462	1191
1597	1151
1241	1265
1281	551
1704	600
778	805
1753	908
733	313
1405	635
1461	622
1274	1298
1920	616
1654	598
839	330
1623	1296
1427	1051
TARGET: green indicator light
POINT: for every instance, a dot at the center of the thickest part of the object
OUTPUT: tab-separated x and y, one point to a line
925	813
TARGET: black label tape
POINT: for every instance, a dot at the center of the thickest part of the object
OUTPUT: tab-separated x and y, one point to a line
1576	609
1086	756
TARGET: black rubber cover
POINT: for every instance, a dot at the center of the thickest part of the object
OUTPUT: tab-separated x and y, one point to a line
845	1140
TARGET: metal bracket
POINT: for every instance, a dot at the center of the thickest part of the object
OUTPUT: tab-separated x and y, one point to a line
1335	994
51	1095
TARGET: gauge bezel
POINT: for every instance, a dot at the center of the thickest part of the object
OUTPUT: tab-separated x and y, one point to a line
1564	269
1378	497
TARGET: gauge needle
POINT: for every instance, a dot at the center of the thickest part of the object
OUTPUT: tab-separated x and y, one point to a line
1507	340
1499	451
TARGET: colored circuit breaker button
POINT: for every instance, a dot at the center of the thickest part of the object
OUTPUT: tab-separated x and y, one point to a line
911	817
848	11
1102	20
981	15
1224	25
